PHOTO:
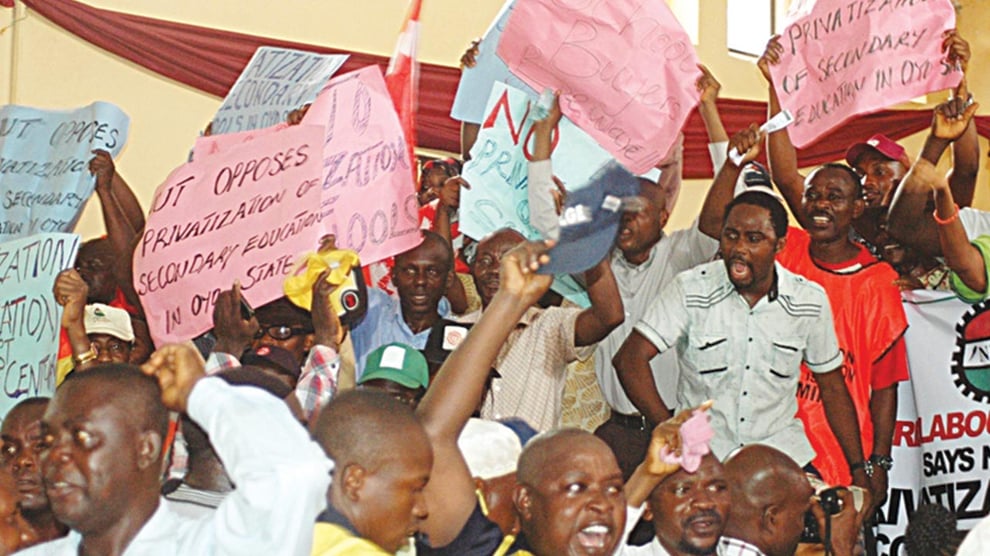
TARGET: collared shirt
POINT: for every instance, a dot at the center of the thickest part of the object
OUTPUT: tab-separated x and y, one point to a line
639	285
531	363
187	501
735	547
284	477
383	324
747	359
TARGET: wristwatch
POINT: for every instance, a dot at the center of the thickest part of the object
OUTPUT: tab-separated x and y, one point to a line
883	462
866	466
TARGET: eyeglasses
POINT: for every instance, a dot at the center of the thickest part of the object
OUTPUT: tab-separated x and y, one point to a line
280	332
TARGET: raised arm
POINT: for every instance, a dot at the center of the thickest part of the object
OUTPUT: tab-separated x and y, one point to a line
965	148
70	292
908	219
281	475
606	312
449	202
720	194
709	87
781	155
458	387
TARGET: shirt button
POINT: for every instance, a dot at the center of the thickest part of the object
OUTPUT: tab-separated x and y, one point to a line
750	339
744	392
496	388
747	367
742	419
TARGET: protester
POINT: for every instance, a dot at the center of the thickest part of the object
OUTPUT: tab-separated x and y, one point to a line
22	444
723	319
103	457
15	532
97	333
398	370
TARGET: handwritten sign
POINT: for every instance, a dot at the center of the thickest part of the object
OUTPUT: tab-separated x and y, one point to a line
843	59
30	319
275	82
476	82
44	164
209	145
499	197
625	68
243	214
369	199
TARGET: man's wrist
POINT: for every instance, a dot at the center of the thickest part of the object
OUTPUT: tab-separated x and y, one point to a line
881	462
865	467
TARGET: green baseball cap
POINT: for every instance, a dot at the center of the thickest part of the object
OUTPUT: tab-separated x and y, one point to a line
399	363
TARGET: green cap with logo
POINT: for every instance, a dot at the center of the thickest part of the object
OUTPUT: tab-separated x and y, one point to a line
399	363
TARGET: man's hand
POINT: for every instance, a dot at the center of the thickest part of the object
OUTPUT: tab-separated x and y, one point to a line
549	123
518	276
846	525
924	174
469	58
707	86
667	435
296	116
102	168
178	367
559	193
234	333
878	490
326	323
771	57
956	49
70	292
748	142
450	192
951	118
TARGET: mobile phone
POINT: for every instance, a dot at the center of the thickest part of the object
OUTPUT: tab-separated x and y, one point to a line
247	313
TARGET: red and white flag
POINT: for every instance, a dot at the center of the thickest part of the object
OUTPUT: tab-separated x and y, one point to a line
402	78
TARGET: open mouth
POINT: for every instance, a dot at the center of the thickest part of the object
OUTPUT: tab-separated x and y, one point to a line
821	220
595	538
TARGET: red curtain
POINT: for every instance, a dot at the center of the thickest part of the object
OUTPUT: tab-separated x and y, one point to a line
211	59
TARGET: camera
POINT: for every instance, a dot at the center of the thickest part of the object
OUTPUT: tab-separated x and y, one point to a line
830	503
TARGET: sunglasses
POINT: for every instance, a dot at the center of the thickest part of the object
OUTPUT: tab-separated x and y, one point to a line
280	332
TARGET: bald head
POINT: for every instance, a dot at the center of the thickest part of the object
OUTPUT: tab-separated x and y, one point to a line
434	244
770	495
569	497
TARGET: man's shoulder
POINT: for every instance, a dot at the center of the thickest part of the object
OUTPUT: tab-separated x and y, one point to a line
704	277
796	285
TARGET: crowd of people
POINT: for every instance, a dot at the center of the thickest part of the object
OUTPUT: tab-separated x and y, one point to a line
744	393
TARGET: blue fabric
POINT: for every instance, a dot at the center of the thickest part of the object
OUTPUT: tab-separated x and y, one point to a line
383	324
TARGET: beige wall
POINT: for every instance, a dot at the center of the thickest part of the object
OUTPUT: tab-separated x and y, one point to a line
41	65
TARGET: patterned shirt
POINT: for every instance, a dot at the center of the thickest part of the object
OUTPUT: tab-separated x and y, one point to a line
531	366
747	359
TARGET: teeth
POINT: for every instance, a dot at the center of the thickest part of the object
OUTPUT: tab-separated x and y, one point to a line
820	219
60	484
595	530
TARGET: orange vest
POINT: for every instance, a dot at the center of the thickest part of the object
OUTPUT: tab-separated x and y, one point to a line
866	307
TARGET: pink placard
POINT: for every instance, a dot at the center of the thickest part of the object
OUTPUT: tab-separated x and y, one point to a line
369	200
625	69
842	59
241	214
209	145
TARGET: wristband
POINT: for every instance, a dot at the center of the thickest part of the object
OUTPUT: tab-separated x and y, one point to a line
948	220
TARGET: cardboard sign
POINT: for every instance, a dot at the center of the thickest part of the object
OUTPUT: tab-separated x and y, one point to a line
625	68
369	199
242	214
30	319
44	164
476	82
275	82
842	59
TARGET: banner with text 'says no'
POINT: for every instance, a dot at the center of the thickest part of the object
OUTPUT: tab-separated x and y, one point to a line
842	59
242	214
369	199
941	445
275	82
30	319
44	164
625	69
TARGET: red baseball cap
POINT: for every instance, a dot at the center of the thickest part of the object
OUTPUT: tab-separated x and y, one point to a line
879	143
